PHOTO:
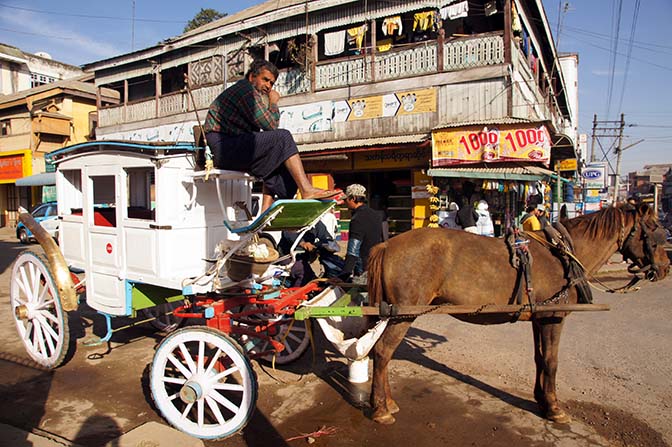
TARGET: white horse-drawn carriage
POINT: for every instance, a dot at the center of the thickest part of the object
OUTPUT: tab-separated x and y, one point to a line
141	226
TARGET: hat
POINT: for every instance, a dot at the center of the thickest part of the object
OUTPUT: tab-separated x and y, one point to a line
541	207
355	190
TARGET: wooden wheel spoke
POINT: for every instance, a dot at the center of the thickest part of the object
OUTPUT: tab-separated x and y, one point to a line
183	369
224	401
212	404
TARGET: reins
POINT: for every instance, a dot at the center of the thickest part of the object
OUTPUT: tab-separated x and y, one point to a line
622	240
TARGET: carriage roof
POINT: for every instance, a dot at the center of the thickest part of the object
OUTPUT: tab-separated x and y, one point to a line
151	149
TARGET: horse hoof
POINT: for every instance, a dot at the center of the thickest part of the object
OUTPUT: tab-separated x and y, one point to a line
559	417
385	419
393	407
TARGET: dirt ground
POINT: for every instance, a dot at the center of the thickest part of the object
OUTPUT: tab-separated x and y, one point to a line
456	384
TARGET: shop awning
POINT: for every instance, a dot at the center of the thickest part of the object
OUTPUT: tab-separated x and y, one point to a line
524	173
363	143
43	179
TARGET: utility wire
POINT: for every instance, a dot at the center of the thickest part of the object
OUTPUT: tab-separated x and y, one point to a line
616	29
628	57
87	16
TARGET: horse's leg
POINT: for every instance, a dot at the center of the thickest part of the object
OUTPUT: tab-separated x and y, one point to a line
381	397
547	333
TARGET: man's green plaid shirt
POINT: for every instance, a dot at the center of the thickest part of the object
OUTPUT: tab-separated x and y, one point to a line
241	109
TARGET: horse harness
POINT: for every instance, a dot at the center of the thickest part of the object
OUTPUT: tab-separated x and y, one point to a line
560	243
651	239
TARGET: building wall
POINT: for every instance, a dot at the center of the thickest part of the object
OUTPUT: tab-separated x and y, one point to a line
569	63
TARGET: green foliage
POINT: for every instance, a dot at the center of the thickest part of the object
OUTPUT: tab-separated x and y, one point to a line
203	17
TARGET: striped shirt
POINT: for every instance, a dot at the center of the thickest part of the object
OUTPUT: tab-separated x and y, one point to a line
241	109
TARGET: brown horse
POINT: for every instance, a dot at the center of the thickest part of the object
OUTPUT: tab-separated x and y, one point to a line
436	265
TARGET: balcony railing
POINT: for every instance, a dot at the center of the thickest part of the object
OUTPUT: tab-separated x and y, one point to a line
404	63
459	54
473	52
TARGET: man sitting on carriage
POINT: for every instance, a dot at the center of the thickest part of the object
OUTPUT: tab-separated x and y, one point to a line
241	129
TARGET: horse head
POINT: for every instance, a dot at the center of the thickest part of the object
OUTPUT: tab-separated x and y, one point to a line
645	244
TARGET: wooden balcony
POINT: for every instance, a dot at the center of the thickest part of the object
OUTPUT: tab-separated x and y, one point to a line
463	53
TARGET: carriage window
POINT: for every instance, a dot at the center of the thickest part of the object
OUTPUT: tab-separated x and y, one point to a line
70	192
104	212
140	184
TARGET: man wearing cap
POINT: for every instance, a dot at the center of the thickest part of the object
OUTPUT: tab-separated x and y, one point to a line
366	230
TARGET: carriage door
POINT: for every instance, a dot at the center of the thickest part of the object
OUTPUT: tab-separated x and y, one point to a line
105	269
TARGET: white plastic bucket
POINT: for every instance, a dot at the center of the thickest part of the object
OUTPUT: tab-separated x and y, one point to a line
358	371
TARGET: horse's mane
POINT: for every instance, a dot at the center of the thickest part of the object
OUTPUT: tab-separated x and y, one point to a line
601	224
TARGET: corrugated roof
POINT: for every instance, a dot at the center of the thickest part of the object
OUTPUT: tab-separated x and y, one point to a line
487	122
75	84
509	172
248	13
363	142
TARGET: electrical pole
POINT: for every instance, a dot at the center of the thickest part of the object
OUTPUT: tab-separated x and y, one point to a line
618	150
612	130
592	144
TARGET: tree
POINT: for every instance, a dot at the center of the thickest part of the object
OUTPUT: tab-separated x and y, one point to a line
203	17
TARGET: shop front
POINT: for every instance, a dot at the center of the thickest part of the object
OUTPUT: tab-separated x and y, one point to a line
14	165
391	173
501	164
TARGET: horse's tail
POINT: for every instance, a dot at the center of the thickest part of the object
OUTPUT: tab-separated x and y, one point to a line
375	274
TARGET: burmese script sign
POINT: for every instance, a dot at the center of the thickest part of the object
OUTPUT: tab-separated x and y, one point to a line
475	144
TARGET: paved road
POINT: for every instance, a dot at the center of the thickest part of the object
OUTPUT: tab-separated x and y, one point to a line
457	384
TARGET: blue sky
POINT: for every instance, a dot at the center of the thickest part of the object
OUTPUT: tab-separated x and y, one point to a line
79	32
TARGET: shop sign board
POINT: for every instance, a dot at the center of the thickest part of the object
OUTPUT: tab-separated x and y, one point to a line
592	196
392	104
490	144
306	118
15	166
595	175
568	164
392	159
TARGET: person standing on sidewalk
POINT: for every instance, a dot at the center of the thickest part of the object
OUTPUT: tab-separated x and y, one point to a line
241	129
366	230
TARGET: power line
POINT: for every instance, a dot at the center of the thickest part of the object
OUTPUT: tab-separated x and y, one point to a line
616	29
87	16
627	58
36	34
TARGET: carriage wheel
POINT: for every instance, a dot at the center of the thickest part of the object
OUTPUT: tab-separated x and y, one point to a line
293	334
36	306
202	383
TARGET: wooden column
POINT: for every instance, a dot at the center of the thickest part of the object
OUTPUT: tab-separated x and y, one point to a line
313	65
374	50
125	97
157	92
508	35
440	42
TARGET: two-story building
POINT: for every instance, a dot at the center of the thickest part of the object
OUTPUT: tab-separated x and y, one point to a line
20	70
468	95
35	122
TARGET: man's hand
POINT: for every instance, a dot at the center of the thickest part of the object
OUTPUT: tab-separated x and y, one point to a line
307	246
273	97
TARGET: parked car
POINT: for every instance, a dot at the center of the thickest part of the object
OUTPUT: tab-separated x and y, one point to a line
46	215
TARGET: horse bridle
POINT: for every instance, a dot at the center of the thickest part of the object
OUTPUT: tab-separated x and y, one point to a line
651	240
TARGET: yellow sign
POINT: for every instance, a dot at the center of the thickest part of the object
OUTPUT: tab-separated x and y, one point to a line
416	101
392	104
568	164
366	108
477	144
